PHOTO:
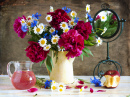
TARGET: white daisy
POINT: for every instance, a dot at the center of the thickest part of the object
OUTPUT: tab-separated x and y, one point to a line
47	47
61	85
88	8
102	13
38	30
86	20
23	21
54	40
103	18
53	87
99	41
51	9
63	25
53	82
56	36
60	48
81	90
29	18
42	26
105	29
72	23
86	16
52	30
42	42
73	14
60	89
66	29
48	18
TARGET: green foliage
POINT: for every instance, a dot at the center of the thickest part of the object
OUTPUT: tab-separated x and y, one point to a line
42	62
49	63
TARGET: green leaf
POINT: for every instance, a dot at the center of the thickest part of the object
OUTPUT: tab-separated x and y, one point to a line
84	53
92	34
88	43
42	62
87	51
91	38
81	56
49	63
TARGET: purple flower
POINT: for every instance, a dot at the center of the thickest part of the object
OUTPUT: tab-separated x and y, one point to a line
55	32
36	16
34	23
48	83
95	81
76	20
67	10
24	28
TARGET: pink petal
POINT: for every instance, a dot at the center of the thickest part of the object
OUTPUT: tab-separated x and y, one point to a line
85	87
80	82
91	90
68	87
79	86
32	90
101	90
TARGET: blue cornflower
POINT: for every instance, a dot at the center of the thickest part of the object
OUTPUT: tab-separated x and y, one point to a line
24	28
67	10
48	83
55	32
47	36
76	20
95	81
34	23
89	17
36	16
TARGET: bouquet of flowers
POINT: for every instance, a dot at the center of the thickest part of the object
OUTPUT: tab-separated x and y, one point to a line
105	24
64	33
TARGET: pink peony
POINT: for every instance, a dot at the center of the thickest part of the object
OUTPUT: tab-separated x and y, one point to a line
73	42
35	52
57	17
17	27
83	28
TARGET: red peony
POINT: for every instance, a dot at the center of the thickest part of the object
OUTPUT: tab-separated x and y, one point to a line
84	29
73	42
57	17
17	27
35	52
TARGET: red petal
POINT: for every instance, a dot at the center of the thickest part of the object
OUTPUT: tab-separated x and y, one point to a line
79	86
32	90
68	87
101	90
91	90
80	82
85	87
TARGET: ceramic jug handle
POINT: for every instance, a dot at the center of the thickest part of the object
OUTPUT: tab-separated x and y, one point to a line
8	69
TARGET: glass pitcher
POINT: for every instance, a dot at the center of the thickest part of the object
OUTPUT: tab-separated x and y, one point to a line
23	76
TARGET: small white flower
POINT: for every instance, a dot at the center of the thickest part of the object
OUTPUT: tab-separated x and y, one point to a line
60	89
53	87
86	20
23	21
73	14
47	47
72	23
86	16
53	82
66	29
42	42
88	8
42	26
29	18
105	29
56	36
81	90
60	48
54	40
52	30
38	30
61	85
103	18
102	13
51	9
99	41
63	25
48	18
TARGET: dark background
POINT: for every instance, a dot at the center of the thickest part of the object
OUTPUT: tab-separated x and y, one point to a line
12	47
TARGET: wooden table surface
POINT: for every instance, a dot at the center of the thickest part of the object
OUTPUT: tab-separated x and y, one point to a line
123	89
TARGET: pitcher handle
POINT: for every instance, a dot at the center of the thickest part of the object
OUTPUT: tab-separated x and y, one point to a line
8	69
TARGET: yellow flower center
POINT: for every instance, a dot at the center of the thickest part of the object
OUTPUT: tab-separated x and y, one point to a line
54	40
73	14
42	42
72	22
63	25
29	18
51	9
52	30
66	30
81	90
29	24
99	41
48	18
87	8
42	27
60	89
23	21
47	47
103	17
38	29
53	87
61	86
